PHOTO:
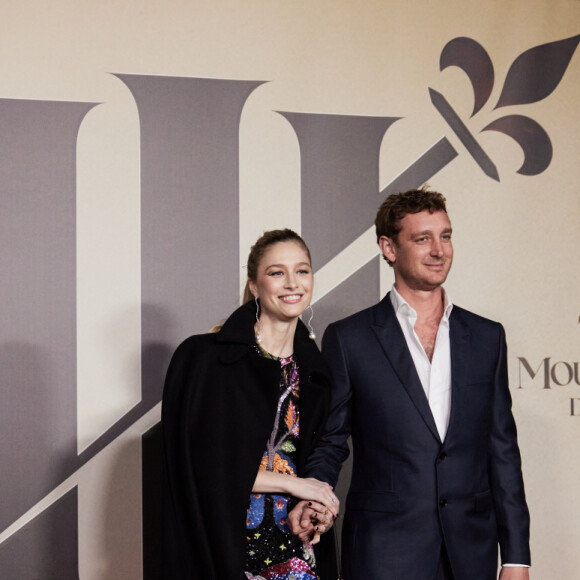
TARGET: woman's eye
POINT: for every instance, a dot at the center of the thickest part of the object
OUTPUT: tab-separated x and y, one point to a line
275	273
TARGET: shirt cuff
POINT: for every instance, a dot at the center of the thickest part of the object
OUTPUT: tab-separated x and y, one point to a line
515	566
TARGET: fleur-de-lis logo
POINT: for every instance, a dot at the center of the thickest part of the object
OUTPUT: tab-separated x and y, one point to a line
532	77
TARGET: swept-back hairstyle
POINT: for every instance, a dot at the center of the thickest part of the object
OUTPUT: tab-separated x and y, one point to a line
398	205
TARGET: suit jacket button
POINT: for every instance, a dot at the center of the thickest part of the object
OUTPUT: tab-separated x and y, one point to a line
443	502
442	456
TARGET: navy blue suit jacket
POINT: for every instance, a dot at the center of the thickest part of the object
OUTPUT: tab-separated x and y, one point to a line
409	490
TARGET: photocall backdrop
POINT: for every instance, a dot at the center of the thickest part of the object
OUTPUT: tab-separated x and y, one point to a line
145	145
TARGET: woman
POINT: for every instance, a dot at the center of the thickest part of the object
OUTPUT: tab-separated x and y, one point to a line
242	408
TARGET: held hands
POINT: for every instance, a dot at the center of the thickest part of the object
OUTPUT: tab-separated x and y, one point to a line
311	517
309	520
316	491
316	513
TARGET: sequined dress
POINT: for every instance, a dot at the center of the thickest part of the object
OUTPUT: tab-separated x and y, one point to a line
273	552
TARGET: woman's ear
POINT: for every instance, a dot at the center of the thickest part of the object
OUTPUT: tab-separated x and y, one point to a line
253	288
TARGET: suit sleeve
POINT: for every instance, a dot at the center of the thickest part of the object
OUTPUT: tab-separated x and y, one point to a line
507	484
332	449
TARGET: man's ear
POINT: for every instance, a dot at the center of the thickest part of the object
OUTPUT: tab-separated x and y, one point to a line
388	248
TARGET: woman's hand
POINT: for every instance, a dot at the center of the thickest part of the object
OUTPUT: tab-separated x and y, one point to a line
314	490
300	487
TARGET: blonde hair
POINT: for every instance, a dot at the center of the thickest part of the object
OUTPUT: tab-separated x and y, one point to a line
258	250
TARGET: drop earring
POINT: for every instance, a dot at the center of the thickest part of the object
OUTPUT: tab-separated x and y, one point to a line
258	335
311	336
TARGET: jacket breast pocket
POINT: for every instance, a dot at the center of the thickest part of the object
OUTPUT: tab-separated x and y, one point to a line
374	501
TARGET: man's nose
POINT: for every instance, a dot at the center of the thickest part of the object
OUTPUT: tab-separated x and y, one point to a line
437	248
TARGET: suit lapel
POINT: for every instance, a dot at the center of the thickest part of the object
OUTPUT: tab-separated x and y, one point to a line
392	340
460	344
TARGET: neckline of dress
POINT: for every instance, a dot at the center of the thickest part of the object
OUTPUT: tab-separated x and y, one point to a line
284	360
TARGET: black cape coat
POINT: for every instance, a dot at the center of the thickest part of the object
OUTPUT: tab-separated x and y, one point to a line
219	407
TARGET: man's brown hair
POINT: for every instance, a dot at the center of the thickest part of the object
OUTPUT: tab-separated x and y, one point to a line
398	205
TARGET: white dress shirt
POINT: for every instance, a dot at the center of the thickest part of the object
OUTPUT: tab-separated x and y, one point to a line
435	375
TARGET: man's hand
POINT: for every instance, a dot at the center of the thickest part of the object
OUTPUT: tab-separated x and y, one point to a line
514	573
309	520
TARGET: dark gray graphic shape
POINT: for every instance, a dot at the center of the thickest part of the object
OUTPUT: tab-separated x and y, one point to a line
339	158
358	291
535	74
531	137
532	77
47	547
340	174
465	136
468	55
38	414
189	218
190	208
190	157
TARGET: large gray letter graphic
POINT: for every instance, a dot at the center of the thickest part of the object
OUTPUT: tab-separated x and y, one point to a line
339	156
189	205
189	218
38	415
189	201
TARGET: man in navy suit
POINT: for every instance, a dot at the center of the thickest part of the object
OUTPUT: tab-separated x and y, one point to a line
421	386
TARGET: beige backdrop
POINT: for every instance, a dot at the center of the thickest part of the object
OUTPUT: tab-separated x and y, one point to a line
516	240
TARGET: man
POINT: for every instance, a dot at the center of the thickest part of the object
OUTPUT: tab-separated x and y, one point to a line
422	388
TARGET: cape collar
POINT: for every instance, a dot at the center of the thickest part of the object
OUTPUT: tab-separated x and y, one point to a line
237	335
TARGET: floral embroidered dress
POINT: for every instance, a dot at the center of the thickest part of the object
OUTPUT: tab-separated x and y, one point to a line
273	552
